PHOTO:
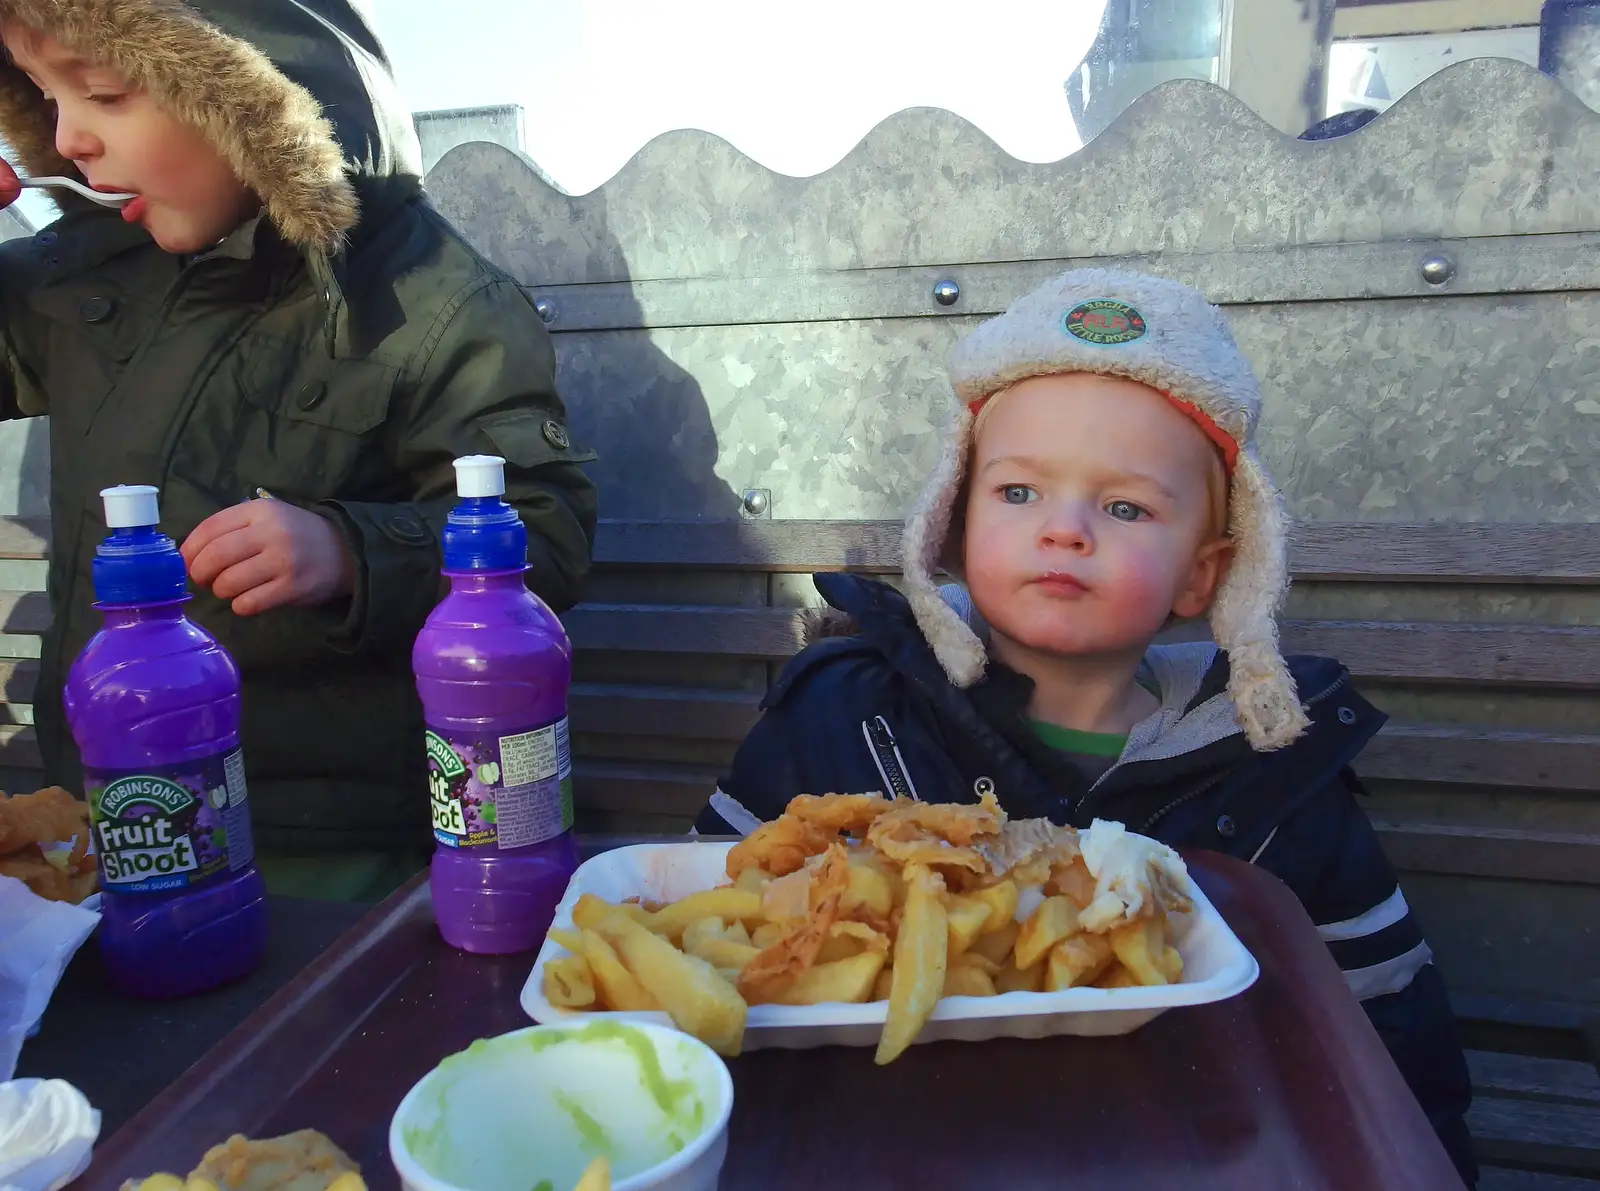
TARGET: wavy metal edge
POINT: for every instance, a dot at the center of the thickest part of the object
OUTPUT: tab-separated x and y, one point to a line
1484	147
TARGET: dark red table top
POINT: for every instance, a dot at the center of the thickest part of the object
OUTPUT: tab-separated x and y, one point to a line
1284	1086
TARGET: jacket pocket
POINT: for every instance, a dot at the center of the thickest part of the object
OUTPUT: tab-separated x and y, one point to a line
308	428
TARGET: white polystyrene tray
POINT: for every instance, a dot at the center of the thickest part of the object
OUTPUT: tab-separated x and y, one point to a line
1216	966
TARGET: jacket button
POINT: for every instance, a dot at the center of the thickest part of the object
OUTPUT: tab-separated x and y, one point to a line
1347	716
407	528
1226	827
97	310
555	436
311	394
45	238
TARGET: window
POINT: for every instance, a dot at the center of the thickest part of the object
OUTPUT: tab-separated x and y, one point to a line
1374	72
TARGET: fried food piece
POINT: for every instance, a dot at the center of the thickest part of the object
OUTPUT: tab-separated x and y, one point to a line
847	938
777	965
1054	920
907	841
1116	976
48	879
596	1176
1001	898
996	945
778	848
568	982
919	963
849	814
1014	979
968	981
1141	946
303	1161
848	981
1078	959
1072	880
614	986
968	917
49	816
1028	849
699	1001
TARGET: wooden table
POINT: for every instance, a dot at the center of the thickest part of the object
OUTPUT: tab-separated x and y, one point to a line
1284	1086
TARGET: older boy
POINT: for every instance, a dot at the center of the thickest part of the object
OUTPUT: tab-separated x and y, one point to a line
1103	480
278	311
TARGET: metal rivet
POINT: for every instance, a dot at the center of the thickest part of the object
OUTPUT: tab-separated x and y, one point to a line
1347	716
1438	269
546	309
1226	827
555	436
757	502
946	292
983	787
311	394
97	310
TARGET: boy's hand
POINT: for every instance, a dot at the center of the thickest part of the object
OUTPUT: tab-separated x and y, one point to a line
10	188
265	554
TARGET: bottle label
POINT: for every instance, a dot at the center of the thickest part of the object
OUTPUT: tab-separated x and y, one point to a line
500	791
169	827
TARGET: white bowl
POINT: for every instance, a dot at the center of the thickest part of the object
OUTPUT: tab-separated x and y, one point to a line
527	1111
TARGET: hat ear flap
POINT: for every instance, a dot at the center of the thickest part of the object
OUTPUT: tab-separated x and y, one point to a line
960	652
1242	618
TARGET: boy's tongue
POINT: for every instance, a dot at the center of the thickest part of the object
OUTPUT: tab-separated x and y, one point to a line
134	211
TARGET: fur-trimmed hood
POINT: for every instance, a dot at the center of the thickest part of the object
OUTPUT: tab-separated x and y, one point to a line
297	95
1167	336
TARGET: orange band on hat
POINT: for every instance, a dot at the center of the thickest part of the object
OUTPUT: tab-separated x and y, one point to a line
1220	438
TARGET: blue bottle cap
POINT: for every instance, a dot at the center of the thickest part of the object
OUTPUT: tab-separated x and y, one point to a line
483	533
136	563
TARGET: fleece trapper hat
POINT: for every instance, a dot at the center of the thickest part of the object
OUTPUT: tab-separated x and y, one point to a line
1166	335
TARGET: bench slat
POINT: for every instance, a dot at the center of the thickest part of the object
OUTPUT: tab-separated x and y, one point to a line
1562	1138
24	537
1476	756
662	711
1500	1178
652	787
1406	651
1491	852
1401	752
1435	551
1526	1076
1438	551
24	612
19	747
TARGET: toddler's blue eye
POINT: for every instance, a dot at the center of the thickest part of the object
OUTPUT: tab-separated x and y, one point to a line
1125	510
1016	494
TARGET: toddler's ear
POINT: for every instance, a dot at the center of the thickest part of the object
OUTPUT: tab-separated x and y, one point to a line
1206	574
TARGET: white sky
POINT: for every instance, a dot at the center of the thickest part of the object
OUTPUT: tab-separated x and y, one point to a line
794	86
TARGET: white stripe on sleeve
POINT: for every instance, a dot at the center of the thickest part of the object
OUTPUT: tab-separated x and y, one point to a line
1386	913
1390	976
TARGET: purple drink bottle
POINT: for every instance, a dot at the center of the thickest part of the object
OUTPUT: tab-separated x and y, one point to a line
493	665
153	702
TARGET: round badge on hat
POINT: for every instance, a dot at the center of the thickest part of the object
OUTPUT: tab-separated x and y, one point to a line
1104	322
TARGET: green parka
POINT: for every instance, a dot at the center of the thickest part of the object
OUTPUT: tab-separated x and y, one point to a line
340	351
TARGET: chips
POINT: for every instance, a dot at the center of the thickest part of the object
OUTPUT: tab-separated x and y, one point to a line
937	900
